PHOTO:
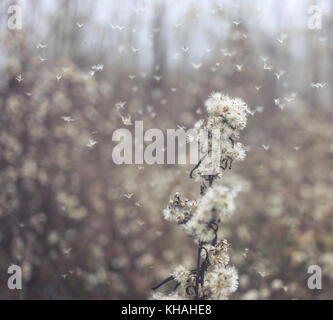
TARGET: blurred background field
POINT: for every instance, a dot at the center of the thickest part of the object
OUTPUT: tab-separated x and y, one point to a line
67	213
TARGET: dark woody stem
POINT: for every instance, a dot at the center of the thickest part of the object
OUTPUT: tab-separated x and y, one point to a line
197	165
200	268
197	278
163	282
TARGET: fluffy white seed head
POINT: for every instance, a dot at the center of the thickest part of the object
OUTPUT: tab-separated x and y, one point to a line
218	202
218	144
232	110
221	282
181	274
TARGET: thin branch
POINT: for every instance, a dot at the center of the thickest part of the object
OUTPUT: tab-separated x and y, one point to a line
163	282
197	279
197	165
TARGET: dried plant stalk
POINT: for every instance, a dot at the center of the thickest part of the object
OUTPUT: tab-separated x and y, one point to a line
212	278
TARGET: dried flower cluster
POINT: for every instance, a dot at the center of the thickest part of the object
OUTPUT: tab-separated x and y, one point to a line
226	118
212	278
